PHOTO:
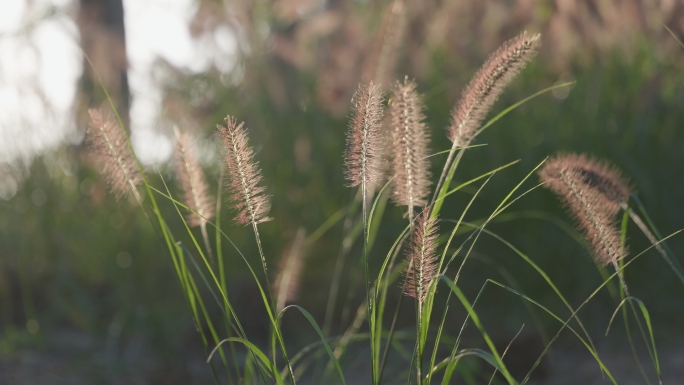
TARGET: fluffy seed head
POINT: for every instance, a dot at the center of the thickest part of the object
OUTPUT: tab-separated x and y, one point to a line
193	183
364	138
288	279
422	256
488	83
248	197
110	148
593	193
410	137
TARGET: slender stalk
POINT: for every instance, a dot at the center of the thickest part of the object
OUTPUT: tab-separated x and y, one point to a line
390	335
445	170
369	300
205	238
363	161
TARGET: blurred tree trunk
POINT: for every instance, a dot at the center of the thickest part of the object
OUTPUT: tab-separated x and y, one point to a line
103	39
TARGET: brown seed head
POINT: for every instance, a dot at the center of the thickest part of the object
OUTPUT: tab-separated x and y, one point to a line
422	256
108	144
409	146
364	138
248	197
488	83
288	279
195	189
593	193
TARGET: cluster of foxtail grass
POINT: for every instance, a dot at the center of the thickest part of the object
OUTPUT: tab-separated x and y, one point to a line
593	193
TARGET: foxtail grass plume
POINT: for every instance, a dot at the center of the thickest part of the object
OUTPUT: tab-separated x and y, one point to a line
192	181
364	138
109	146
487	84
593	193
286	285
422	256
409	146
248	197
381	163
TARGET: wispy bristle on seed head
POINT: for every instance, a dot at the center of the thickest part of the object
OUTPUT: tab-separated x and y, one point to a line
488	83
248	197
288	279
364	138
422	256
409	153
193	183
593	193
108	144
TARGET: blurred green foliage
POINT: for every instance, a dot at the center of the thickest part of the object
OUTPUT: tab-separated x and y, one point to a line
75	261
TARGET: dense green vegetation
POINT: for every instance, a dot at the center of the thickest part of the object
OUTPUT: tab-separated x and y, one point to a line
77	263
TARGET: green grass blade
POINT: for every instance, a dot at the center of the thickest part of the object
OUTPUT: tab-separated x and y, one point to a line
476	320
257	352
624	295
485	356
209	268
434	212
168	237
221	267
205	313
323	228
543	274
385	284
520	103
374	226
452	167
457	148
452	362
500	208
663	248
430	298
349	334
565	324
592	295
647	319
313	323
371	227
653	352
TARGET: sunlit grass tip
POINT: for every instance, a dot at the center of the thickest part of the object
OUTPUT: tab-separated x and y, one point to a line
593	193
488	83
422	256
288	279
247	196
409	152
193	183
364	138
109	146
